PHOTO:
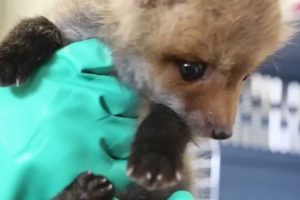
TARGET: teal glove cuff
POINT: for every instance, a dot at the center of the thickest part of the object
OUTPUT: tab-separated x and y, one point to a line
182	195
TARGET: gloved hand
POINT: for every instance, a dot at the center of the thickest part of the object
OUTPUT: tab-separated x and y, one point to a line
71	117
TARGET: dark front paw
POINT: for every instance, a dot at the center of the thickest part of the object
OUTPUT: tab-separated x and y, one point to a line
156	161
31	43
92	187
88	186
155	171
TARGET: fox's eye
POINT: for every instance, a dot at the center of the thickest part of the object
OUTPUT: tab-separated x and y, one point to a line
246	77
191	71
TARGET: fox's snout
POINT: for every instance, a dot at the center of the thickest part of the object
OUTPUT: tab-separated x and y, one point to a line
214	111
221	134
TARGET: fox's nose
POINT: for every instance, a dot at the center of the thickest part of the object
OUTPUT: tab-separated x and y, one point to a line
220	134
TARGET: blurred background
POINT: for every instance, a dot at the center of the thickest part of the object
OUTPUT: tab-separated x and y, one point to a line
13	10
262	160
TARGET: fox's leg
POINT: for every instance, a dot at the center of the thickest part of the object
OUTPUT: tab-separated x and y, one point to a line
28	45
156	160
88	186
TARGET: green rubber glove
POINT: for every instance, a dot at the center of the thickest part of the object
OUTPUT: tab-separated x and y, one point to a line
70	118
182	195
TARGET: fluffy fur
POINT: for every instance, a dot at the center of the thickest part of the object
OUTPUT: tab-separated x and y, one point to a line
148	37
233	37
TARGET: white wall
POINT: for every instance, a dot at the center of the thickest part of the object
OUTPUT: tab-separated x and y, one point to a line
291	9
14	10
1	14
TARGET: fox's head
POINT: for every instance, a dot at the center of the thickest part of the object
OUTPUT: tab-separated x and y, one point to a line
194	55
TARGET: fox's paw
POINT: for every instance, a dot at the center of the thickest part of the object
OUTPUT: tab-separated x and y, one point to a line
28	45
92	187
154	171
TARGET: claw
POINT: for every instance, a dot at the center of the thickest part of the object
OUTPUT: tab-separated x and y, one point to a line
130	171
148	176
160	177
178	176
18	82
110	187
104	181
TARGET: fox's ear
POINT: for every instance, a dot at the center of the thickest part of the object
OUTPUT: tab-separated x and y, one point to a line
156	3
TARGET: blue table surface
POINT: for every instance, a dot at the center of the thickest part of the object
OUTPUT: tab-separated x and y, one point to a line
248	174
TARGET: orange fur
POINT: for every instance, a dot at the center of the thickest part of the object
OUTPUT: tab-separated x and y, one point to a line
232	36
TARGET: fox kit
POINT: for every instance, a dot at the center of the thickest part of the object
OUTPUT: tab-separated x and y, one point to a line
188	58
